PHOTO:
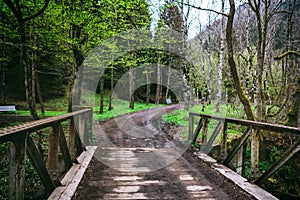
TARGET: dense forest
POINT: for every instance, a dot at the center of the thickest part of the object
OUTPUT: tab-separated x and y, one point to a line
246	56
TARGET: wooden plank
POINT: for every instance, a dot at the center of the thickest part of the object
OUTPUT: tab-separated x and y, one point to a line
81	127
207	147
17	169
197	131
71	142
38	164
191	126
64	148
223	152
6	134
237	146
204	131
295	148
89	128
52	160
258	125
73	177
255	191
78	144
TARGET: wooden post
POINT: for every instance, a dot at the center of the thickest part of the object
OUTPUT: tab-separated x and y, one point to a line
82	127
223	151
191	126
38	164
206	148
204	132
64	148
237	146
254	170
52	161
17	168
197	131
89	128
72	138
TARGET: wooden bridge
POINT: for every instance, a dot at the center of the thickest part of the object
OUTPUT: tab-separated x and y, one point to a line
69	157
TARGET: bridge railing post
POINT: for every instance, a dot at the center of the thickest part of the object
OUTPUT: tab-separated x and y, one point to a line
17	168
71	138
223	149
204	131
52	160
254	170
191	127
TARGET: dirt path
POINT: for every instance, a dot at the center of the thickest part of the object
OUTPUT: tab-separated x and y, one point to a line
136	159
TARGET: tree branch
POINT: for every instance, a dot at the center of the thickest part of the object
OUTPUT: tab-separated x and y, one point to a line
39	12
11	6
205	9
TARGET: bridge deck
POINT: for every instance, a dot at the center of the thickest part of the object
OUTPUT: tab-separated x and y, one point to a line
183	179
137	158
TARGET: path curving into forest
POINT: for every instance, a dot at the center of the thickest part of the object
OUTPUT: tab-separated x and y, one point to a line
139	157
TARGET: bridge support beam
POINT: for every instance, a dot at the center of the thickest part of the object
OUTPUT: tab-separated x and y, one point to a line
281	161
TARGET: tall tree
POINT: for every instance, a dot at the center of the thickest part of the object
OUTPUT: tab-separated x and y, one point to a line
221	52
16	9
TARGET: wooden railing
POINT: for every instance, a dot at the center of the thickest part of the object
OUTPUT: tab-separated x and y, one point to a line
251	127
22	144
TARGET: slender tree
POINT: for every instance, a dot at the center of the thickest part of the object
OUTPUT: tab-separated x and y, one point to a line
19	14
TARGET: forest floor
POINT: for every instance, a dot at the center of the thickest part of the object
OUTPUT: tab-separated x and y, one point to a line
140	157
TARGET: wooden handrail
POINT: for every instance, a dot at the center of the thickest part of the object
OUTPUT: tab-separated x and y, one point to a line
252	128
7	133
79	132
260	125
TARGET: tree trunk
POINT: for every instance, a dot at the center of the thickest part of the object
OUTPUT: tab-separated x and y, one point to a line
244	100
220	70
101	95
158	87
39	93
2	90
27	72
132	84
168	81
15	7
110	107
249	59
33	73
148	87
70	87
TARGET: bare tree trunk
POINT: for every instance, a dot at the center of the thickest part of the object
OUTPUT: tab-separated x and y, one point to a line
131	87
101	95
249	59
210	74
33	71
168	81
110	107
27	72
70	87
244	100
158	87
2	90
148	87
220	69
39	93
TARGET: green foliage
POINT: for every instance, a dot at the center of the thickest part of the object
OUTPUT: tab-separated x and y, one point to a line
120	107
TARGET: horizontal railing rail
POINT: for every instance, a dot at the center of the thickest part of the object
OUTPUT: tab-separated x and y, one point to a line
252	129
69	144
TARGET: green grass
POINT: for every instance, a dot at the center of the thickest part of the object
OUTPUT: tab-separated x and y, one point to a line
59	106
181	117
120	107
